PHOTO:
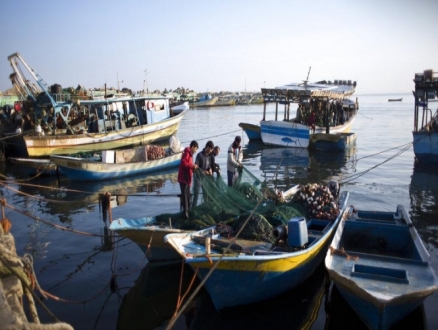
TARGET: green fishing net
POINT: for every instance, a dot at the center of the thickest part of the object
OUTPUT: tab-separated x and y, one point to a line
214	202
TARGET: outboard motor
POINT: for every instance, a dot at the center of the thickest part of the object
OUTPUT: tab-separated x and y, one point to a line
295	232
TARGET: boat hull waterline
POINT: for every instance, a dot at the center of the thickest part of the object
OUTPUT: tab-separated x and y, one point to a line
82	170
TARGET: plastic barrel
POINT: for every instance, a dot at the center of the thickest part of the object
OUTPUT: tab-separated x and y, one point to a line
297	232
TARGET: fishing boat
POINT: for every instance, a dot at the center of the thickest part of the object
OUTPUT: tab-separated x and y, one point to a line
111	164
77	125
425	134
395	100
240	271
225	102
380	266
205	100
149	232
332	142
35	166
323	98
251	130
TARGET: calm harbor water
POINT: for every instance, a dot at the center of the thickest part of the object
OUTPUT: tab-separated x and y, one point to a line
107	283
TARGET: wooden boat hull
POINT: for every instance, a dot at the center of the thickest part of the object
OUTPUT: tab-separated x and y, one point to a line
80	169
41	146
34	166
252	131
225	103
332	142
149	236
207	103
392	275
426	146
245	279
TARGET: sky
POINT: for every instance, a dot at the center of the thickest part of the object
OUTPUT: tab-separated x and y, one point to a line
212	46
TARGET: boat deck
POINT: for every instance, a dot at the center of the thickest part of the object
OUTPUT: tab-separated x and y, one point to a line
387	277
379	254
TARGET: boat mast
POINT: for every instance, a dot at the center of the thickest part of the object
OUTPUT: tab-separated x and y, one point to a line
307	79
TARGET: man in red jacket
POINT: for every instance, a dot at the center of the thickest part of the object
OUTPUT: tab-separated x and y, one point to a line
185	175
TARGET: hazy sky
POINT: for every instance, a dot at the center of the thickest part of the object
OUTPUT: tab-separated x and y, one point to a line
221	45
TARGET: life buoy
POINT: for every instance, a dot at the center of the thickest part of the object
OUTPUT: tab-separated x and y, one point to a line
150	105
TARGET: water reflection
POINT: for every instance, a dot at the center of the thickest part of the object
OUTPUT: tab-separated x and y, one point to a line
285	167
423	193
153	298
65	198
151	302
296	309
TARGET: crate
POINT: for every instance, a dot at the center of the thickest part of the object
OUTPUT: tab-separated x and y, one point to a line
108	156
131	155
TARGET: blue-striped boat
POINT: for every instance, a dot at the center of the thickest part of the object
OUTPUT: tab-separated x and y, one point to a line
257	272
380	266
105	167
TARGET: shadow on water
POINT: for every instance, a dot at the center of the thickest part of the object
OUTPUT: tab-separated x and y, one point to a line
152	300
296	309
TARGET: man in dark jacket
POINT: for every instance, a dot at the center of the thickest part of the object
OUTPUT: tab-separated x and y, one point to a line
185	175
203	160
214	166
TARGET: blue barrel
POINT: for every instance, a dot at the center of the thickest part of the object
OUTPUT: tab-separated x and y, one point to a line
297	232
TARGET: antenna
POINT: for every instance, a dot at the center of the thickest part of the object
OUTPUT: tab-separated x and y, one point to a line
308	74
307	79
146	79
118	83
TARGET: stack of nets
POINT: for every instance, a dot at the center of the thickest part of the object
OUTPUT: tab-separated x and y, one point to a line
155	152
214	202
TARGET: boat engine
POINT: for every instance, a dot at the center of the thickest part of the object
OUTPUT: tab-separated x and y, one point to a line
295	232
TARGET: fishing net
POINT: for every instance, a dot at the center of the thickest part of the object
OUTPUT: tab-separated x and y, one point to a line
214	202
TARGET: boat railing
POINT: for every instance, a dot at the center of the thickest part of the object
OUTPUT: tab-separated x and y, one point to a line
58	98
